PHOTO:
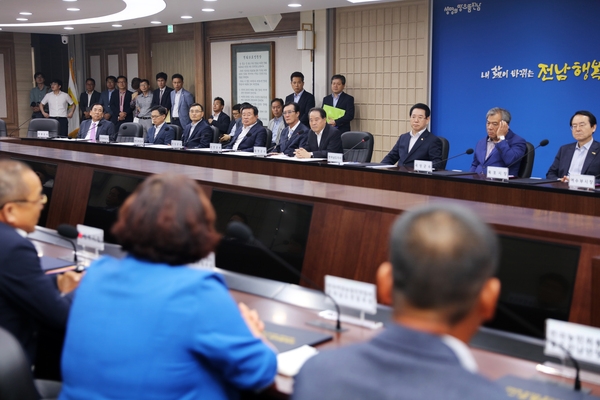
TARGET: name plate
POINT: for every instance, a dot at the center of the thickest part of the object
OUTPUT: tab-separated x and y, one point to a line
260	151
353	294
216	147
177	144
335	158
90	237
43	135
582	182
497	173
104	139
138	141
423	166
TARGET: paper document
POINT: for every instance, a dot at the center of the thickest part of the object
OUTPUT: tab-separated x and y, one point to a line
333	112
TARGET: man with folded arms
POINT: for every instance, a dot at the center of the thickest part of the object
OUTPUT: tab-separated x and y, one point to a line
441	282
579	158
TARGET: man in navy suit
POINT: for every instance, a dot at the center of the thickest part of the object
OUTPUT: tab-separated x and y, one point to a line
181	101
502	147
159	132
440	280
198	133
218	117
120	104
250	133
304	99
30	300
339	99
92	128
295	134
579	158
88	98
162	95
322	137
418	143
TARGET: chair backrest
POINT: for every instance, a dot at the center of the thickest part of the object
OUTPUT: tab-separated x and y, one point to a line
43	124
269	138
128	131
16	379
445	151
2	128
527	162
178	131
363	150
216	134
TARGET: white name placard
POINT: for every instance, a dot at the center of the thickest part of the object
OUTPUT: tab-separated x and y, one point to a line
177	144
104	138
582	182
423	166
497	173
138	141
216	147
43	134
354	294
335	158
90	237
260	151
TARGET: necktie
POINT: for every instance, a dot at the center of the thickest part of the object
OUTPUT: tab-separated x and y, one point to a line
161	94
121	100
93	132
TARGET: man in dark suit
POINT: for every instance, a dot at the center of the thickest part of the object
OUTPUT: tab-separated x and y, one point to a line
579	158
30	301
181	101
295	134
339	99
417	144
501	148
159	132
88	98
322	137
304	99
198	133
218	117
236	117
440	280
95	126
250	133
121	104
162	95
107	96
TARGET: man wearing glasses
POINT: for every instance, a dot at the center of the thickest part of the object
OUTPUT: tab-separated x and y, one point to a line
30	301
579	158
160	132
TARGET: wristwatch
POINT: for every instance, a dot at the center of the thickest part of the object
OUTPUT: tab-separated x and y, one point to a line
501	138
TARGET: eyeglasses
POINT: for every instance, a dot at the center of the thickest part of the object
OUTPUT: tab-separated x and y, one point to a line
42	200
580	125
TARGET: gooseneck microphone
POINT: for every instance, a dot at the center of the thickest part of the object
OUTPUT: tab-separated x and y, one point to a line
363	140
241	232
542	144
468	151
66	233
9	134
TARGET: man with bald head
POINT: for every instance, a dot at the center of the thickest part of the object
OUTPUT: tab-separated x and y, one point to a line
30	301
440	279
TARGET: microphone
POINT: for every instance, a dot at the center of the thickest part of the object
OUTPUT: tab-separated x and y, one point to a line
242	232
65	233
468	151
17	128
363	140
542	144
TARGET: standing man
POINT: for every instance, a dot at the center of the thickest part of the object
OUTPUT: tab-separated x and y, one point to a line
582	157
198	133
295	134
162	95
322	137
418	143
88	98
250	133
36	94
502	147
277	123
181	100
304	99
107	98
440	280
92	128
339	99
160	132
143	104
60	106
219	118
124	112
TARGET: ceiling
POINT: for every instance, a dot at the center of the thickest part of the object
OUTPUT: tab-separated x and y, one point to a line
52	16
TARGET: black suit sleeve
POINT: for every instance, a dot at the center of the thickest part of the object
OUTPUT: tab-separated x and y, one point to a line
394	155
553	171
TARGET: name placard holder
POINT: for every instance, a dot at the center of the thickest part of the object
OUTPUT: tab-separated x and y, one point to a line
582	182
423	167
177	144
335	158
260	151
216	147
91	239
43	135
497	173
104	139
138	141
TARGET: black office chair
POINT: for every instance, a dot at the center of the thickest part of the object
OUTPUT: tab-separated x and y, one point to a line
269	138
363	151
128	131
43	124
16	378
445	151
216	134
527	162
2	128
178	131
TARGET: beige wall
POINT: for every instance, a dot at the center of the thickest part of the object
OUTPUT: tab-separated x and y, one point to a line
384	53
175	58
24	75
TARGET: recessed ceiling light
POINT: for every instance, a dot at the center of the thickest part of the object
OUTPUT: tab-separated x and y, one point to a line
294	5
25	13
186	17
156	22
210	0
72	9
361	1
208	9
117	26
69	0
22	19
69	28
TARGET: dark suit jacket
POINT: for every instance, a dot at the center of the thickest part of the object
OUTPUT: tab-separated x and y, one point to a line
506	152
115	107
166	99
222	123
164	136
184	106
83	102
345	102
428	148
257	136
331	141
108	104
199	138
562	161
307	101
104	128
29	299
298	139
